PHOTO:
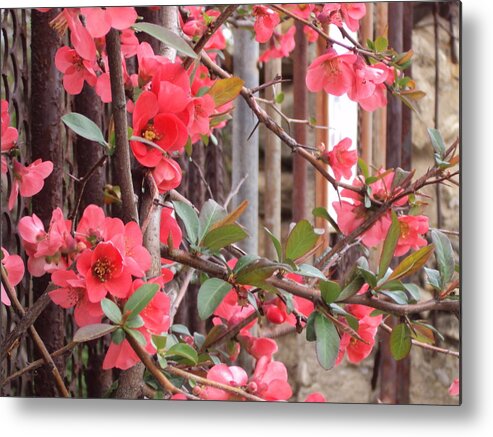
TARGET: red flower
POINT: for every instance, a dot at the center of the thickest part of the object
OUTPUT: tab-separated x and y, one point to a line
29	180
352	13
14	267
265	22
167	175
169	228
412	229
72	292
8	133
104	272
454	389
75	70
280	45
315	397
270	380
342	160
258	347
99	21
233	376
331	72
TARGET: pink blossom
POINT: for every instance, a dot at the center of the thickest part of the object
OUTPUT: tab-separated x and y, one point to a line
342	160
270	380
8	133
454	389
169	229
14	267
352	13
233	376
331	72
104	271
167	175
72	292
315	397
99	21
28	180
257	347
75	70
265	22
280	45
412	229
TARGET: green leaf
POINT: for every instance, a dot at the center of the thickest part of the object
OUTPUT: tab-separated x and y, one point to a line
167	37
276	243
437	142
92	332
413	292
139	300
185	351
369	277
352	288
381	44
363	166
433	278
257	271
310	271
138	336
189	218
223	236
211	294
322	212
412	263
118	336
279	98
84	127
225	90
111	310
389	246
159	341
330	291
211	213
444	255
400	342
300	240
398	296
180	329
244	261
310	327
328	340
351	320
135	322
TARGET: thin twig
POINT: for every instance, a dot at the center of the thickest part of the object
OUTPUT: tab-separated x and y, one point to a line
35	336
181	294
235	191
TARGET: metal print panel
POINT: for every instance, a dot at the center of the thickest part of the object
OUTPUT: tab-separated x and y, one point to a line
252	202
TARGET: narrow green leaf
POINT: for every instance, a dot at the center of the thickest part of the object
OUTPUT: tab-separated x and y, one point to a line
397	296
330	291
328	340
118	336
310	327
84	127
310	271
381	44
167	37
352	288
433	277
139	300
389	246
412	263
244	261
159	341
211	294
180	329
185	351
444	255
413	292
300	240
111	310
189	218
92	332
211	213
223	236
137	335
225	90
276	243
400	342
437	142
256	271
135	322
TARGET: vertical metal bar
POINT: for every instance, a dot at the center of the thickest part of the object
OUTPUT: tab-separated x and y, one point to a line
299	112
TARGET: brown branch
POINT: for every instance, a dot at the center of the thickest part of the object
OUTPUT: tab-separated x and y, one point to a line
425	345
233	390
28	320
233	331
122	161
210	31
35	336
307	292
38	363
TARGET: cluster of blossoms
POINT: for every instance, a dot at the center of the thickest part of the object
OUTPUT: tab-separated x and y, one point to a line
27	180
352	212
103	257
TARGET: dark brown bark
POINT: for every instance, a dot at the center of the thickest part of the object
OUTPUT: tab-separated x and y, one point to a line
46	111
87	153
299	112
